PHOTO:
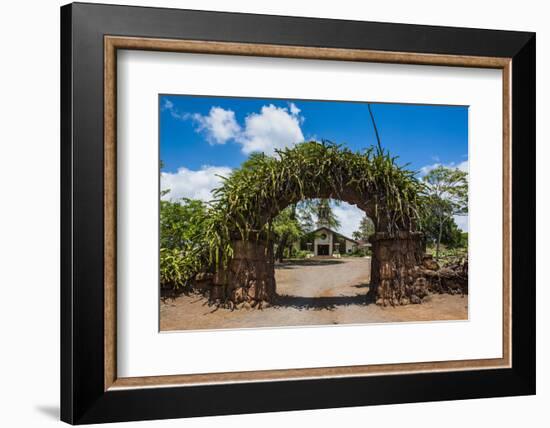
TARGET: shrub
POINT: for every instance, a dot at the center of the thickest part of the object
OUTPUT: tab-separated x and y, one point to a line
301	254
173	272
184	246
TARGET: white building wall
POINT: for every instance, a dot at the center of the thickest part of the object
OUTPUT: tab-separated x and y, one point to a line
349	246
320	241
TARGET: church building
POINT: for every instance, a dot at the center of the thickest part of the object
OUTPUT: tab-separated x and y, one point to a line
327	242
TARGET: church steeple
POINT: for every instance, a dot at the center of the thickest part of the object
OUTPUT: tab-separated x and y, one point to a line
323	214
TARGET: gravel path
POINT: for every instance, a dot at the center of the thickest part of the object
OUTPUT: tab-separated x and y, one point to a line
311	292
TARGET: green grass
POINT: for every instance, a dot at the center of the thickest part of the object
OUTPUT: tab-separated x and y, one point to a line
448	255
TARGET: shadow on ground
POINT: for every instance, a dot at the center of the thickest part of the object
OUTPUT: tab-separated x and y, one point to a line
367	285
330	303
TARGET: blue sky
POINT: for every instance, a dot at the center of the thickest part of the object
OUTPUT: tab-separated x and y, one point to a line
202	137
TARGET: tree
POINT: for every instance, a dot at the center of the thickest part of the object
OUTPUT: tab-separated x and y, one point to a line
181	222
305	216
184	249
451	235
320	209
287	231
447	196
366	229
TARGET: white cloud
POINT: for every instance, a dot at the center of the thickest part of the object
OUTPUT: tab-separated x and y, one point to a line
349	216
272	128
294	110
462	166
168	105
219	125
186	183
462	222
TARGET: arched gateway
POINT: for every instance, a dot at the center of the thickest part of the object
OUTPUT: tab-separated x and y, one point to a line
254	195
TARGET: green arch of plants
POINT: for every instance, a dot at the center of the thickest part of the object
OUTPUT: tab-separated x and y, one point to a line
252	196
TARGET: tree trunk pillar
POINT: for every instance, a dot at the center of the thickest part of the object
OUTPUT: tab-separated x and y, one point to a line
395	261
248	280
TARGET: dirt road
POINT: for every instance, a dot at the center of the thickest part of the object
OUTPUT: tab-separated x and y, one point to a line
311	292
324	277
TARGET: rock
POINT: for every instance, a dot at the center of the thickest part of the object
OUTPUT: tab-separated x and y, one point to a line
420	282
238	295
404	301
252	289
415	300
447	272
420	292
429	263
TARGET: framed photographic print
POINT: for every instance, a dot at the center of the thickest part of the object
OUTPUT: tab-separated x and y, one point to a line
266	213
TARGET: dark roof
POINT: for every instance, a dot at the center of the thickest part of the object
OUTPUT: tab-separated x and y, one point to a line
336	233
